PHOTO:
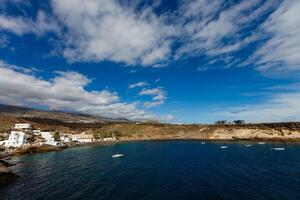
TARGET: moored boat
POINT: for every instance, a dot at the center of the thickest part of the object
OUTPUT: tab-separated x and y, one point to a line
118	155
278	148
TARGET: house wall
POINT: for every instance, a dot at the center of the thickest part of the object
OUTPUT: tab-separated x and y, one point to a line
85	140
22	126
49	139
16	139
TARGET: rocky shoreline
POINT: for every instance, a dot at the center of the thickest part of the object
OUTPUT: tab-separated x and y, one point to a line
6	175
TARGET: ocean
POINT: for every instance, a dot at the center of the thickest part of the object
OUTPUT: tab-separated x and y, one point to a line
161	170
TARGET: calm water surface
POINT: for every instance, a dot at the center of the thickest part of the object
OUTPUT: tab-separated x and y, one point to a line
167	170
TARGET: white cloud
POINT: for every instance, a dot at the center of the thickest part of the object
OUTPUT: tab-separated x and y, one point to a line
217	28
16	25
158	96
65	91
138	84
167	118
206	32
106	30
279	107
282	51
94	31
21	25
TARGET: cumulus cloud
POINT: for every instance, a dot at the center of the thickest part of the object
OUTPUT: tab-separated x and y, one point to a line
21	25
65	91
138	84
107	30
158	96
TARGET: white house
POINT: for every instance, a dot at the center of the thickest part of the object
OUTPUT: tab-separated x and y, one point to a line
16	139
83	137
49	138
109	139
66	138
36	132
22	126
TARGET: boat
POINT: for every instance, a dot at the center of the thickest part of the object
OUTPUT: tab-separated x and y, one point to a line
118	155
278	148
223	147
261	143
202	142
248	145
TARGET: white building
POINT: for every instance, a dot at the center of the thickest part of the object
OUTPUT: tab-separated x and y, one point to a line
36	132
16	139
22	126
66	138
49	138
109	139
83	137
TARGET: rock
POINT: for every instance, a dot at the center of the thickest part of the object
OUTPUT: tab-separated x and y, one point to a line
6	175
5	163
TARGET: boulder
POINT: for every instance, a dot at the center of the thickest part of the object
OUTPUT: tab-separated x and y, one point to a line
6	175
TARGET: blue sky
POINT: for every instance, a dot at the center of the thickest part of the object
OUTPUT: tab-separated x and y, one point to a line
175	61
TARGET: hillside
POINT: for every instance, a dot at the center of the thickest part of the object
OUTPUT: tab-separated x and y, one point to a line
289	131
17	111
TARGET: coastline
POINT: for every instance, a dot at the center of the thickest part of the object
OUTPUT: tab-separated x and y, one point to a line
48	148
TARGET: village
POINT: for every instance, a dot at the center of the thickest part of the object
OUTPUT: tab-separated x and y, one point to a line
24	135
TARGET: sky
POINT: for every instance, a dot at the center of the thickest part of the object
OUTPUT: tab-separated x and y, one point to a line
178	61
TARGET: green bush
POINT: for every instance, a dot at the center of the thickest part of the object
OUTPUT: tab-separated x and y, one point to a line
56	136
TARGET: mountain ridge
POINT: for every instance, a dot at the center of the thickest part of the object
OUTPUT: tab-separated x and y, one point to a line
65	116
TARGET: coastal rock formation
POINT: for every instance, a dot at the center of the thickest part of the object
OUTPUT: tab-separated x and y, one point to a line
34	149
5	173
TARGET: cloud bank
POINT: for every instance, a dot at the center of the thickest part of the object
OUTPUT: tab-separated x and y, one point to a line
136	34
65	91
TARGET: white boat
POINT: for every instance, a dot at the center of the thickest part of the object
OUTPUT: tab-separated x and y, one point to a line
223	147
118	155
278	148
202	142
248	145
261	143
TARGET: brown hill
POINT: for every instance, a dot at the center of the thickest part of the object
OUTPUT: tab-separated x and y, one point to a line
17	111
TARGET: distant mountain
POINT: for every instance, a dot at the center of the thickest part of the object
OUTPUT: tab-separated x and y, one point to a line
18	111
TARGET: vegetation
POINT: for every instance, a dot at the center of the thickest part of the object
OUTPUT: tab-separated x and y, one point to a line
107	134
56	136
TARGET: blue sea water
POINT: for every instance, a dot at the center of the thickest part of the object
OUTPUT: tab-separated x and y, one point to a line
160	170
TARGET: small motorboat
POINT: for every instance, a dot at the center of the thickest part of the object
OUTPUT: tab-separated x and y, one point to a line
248	145
118	155
278	148
223	147
202	142
261	143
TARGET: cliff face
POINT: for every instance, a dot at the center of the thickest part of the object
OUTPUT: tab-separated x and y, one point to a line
256	133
